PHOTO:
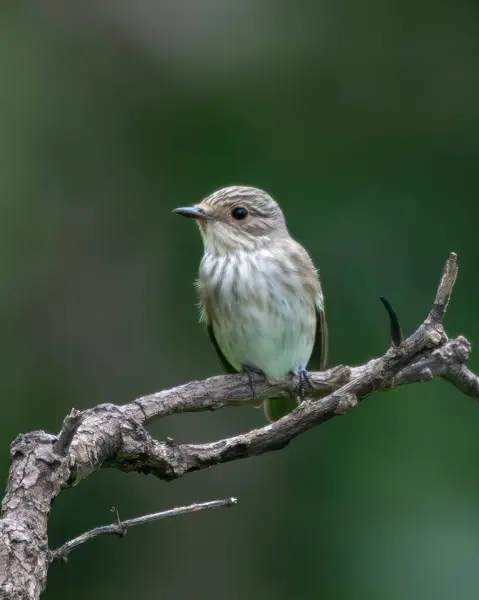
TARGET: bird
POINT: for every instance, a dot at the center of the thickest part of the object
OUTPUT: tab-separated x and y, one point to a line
260	294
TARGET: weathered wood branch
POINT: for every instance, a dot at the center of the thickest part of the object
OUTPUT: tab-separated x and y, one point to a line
115	436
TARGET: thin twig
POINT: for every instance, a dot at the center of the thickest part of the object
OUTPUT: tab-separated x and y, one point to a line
121	527
444	291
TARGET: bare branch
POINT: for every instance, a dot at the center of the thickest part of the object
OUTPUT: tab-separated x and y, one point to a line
168	461
121	527
226	390
115	436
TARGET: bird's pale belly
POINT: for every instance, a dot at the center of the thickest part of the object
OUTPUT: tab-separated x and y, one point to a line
275	336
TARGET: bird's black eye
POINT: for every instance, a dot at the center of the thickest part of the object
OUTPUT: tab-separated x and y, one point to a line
239	213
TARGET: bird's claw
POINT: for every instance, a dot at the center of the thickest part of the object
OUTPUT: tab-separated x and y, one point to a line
305	382
250	371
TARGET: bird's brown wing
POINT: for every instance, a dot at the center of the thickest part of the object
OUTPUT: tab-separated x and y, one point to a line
319	356
224	362
206	311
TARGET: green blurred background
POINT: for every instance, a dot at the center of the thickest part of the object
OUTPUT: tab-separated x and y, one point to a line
362	119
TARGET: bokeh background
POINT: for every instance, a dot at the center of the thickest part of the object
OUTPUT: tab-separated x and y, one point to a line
362	119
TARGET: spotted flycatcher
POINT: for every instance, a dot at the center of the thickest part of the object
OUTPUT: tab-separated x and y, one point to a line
260	294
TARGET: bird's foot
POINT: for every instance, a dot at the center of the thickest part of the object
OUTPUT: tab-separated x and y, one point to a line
250	371
305	382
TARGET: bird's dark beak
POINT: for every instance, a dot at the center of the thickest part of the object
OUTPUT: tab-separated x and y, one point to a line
193	212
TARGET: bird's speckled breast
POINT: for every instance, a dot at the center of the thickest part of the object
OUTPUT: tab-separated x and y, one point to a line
261	313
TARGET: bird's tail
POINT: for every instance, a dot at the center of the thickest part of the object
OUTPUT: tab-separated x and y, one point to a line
275	408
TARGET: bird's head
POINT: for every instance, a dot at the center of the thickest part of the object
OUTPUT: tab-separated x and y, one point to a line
236	218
